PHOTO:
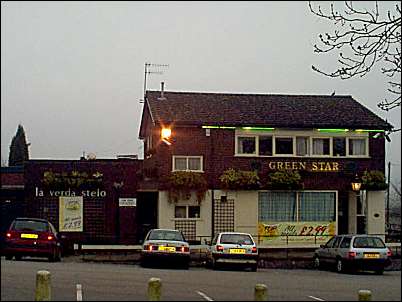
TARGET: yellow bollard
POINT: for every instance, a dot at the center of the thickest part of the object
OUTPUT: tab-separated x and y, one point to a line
260	292
364	295
154	289
43	290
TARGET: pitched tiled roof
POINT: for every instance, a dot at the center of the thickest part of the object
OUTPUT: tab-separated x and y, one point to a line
286	111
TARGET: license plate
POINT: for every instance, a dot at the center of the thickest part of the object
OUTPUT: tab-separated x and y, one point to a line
167	248
371	256
237	251
30	236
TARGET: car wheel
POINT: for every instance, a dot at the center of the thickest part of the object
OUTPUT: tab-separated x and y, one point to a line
254	267
316	262
9	257
379	272
18	258
214	264
339	266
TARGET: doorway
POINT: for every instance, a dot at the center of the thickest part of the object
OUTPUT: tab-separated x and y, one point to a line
147	213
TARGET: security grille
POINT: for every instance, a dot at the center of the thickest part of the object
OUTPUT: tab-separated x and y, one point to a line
188	229
224	215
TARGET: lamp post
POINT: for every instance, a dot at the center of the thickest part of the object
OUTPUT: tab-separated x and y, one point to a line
117	186
356	185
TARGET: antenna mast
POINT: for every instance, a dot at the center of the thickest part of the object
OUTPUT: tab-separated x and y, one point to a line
151	69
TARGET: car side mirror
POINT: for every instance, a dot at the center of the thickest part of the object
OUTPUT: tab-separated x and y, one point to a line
207	242
140	241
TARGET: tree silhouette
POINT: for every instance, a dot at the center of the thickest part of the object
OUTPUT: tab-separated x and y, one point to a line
365	40
18	148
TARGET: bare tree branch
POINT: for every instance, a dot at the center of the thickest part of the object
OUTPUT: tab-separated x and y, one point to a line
366	40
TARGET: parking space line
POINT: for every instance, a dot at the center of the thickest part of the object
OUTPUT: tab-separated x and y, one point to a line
79	292
315	298
204	296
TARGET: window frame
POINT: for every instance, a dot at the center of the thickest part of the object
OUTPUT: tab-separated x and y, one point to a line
187	157
187	212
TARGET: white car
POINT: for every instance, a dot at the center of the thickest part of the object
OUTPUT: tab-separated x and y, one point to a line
165	246
233	248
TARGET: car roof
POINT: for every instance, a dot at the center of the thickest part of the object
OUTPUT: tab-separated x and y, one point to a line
173	230
28	218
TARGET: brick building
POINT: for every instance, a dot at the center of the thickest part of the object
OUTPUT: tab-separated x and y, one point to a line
327	140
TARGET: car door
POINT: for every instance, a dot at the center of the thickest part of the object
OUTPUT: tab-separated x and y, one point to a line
324	251
333	251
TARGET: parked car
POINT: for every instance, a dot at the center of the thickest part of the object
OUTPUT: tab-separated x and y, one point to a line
32	237
165	246
353	252
232	248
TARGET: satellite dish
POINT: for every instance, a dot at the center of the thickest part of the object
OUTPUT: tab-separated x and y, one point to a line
91	156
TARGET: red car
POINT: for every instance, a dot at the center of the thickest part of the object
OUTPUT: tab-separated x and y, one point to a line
32	237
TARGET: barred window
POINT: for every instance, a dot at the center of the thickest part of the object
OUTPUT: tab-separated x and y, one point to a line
277	206
317	206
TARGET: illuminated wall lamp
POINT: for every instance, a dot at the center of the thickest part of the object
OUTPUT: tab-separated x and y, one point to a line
356	184
166	133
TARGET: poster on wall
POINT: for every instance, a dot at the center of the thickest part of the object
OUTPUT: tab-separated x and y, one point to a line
296	233
71	214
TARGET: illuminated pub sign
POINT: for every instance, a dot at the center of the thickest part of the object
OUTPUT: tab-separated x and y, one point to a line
313	166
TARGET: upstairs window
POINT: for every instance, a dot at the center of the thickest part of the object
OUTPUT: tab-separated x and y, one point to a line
302	146
357	146
265	145
339	146
284	145
321	146
187	163
246	145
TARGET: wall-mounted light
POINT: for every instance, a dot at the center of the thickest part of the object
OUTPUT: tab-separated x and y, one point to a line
166	133
356	184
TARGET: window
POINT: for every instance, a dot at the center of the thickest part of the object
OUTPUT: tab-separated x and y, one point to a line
321	146
246	145
265	145
284	145
297	206
339	146
346	242
277	206
187	212
317	206
357	146
187	163
302	146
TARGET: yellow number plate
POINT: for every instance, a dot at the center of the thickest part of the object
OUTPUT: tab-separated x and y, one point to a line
237	251
371	256
167	248
30	236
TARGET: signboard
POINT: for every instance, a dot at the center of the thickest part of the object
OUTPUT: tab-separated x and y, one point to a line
71	214
284	233
127	202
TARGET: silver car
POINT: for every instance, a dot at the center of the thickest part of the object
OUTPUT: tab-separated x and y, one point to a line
165	246
232	248
353	252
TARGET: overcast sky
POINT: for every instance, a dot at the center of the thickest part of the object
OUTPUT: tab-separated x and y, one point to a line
72	73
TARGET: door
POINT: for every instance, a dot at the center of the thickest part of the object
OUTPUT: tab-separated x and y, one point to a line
147	213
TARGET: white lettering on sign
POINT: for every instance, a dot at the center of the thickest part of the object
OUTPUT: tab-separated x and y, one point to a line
127	202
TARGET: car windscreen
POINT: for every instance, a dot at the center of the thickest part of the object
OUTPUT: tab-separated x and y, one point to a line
236	239
30	225
368	242
165	235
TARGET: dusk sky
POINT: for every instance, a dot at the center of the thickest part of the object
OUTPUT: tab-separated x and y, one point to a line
72	73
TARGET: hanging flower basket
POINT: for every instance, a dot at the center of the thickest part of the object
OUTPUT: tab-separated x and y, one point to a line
373	180
232	179
285	180
181	184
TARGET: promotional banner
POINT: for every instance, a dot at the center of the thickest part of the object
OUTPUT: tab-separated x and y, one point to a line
284	233
71	214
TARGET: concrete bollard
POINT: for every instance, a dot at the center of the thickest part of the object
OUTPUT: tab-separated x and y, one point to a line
260	292
154	289
43	290
364	295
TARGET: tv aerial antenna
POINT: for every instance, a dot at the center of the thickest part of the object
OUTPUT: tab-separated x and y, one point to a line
151	68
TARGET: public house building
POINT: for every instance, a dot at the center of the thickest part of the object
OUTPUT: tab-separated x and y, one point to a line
280	167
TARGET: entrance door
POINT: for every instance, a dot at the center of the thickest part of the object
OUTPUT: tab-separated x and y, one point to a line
147	213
